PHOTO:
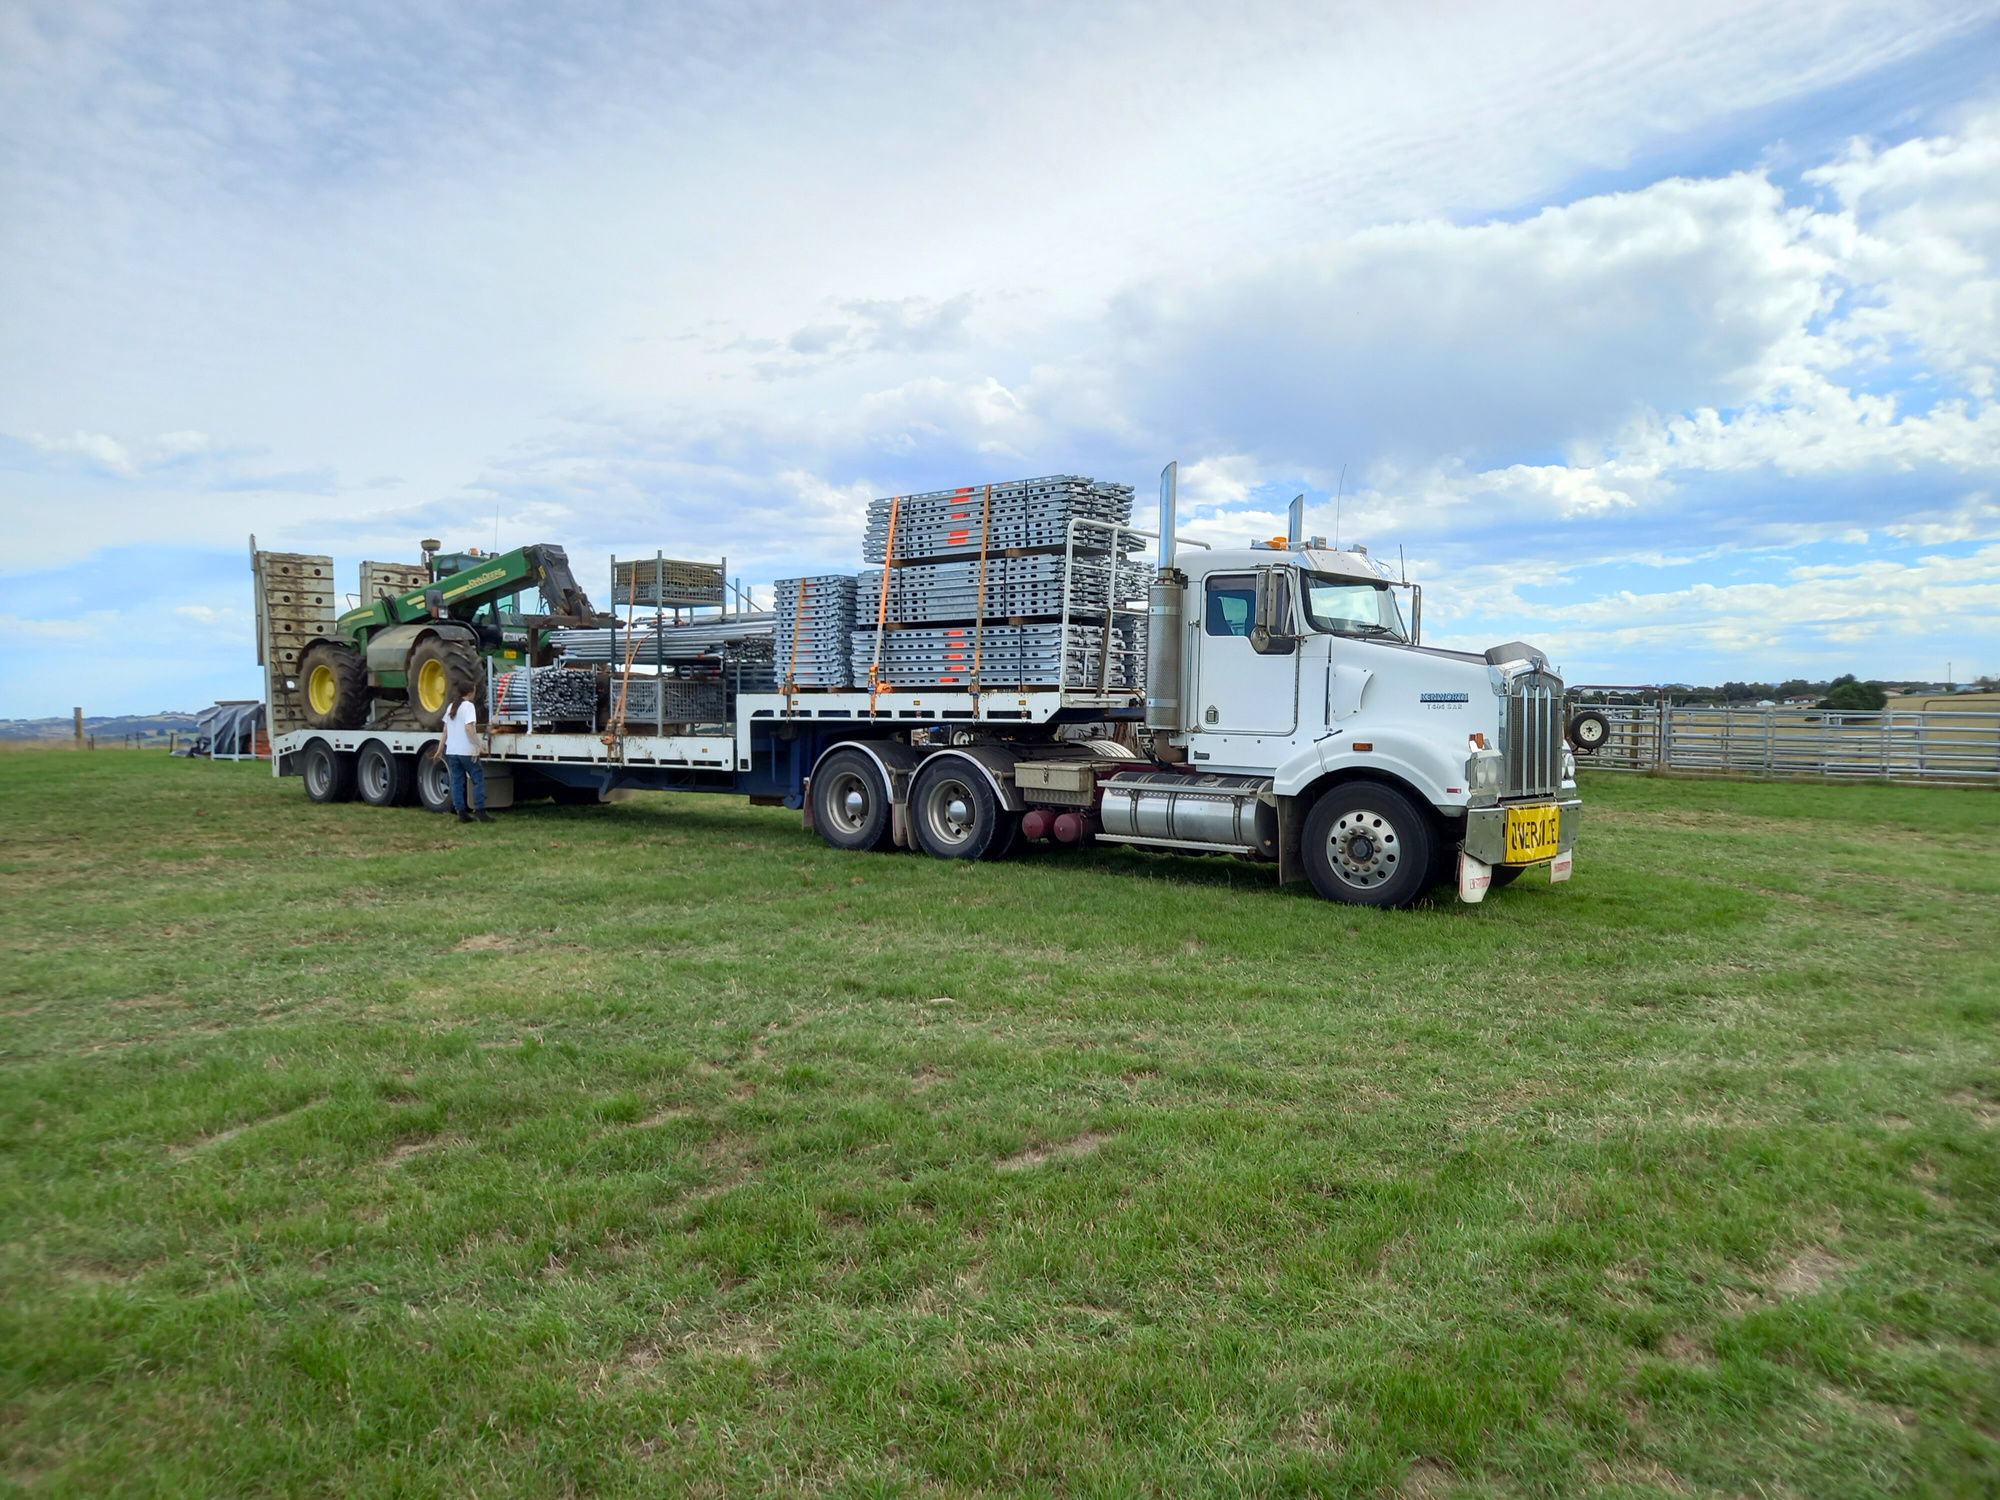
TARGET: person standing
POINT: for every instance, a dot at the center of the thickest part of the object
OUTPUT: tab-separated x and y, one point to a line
459	743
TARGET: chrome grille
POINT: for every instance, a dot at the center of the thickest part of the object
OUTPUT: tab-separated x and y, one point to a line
1531	736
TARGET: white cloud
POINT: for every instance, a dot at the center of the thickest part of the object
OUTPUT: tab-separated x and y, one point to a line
688	278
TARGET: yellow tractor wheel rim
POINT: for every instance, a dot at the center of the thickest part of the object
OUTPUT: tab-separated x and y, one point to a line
432	686
322	687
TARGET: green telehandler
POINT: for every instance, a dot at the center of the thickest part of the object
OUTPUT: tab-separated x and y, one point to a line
416	647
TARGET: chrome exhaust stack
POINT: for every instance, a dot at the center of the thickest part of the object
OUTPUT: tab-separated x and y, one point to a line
1163	625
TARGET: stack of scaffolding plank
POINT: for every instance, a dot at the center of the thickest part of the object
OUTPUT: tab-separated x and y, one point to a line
1022	513
1042	655
1015	587
815	623
1018	578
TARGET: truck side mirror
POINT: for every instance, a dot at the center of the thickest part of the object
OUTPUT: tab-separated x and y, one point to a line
1271	634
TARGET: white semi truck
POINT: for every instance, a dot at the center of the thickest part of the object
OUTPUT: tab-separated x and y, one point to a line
1288	713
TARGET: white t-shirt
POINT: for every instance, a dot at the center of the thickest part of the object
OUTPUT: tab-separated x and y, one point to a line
458	724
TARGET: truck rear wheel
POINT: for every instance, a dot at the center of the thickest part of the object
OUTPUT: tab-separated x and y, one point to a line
1366	844
333	686
440	666
383	778
433	780
851	803
956	815
328	773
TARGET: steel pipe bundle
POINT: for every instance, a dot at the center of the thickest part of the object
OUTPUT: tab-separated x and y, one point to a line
734	635
560	696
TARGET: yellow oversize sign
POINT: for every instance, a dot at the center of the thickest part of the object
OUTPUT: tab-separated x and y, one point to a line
1532	833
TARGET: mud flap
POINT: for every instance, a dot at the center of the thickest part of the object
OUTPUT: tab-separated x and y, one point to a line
1560	867
1291	843
1474	879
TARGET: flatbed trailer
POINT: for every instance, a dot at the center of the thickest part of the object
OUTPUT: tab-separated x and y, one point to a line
768	754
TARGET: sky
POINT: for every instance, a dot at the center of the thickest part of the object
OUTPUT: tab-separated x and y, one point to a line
1662	336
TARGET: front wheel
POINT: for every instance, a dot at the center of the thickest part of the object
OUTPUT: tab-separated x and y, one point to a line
440	666
1366	844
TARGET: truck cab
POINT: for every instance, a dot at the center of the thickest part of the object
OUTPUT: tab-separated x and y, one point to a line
1295	675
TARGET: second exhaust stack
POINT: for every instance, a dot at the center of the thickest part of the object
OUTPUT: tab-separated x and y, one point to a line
1163	623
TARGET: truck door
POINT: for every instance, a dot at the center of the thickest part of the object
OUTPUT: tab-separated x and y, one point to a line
1239	690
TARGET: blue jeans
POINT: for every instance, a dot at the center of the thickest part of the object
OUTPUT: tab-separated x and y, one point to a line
462	766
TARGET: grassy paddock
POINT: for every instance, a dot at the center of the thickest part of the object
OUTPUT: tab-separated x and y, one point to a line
656	1149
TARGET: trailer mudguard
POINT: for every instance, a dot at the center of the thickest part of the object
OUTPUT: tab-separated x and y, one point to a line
995	765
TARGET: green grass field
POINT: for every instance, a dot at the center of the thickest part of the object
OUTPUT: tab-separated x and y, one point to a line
657	1149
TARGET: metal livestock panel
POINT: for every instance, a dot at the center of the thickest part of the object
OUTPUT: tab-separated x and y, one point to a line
1936	748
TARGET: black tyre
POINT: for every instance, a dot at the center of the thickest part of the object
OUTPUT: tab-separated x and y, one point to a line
1366	844
440	666
1588	731
328	773
1505	875
851	802
333	686
433	780
955	814
384	778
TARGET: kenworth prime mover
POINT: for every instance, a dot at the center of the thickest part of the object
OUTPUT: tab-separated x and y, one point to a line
1008	673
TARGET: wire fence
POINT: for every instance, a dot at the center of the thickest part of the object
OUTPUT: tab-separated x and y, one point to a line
1940	749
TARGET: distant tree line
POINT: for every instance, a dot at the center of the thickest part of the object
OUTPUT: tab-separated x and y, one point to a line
1846	691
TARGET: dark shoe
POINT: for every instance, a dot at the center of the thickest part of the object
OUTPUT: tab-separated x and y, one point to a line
482	816
465	817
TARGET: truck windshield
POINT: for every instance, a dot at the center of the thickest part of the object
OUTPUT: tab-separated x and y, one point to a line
1351	606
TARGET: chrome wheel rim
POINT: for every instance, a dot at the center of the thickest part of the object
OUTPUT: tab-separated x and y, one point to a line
848	802
437	781
1364	848
949	810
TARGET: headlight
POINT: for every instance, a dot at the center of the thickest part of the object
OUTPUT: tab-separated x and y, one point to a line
1485	771
1569	766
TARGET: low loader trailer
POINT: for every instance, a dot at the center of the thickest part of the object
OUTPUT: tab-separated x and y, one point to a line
1285	710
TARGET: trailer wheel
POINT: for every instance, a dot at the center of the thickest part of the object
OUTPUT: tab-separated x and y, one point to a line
333	686
851	803
440	666
1365	844
1588	731
329	773
1505	875
433	780
383	778
956	815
